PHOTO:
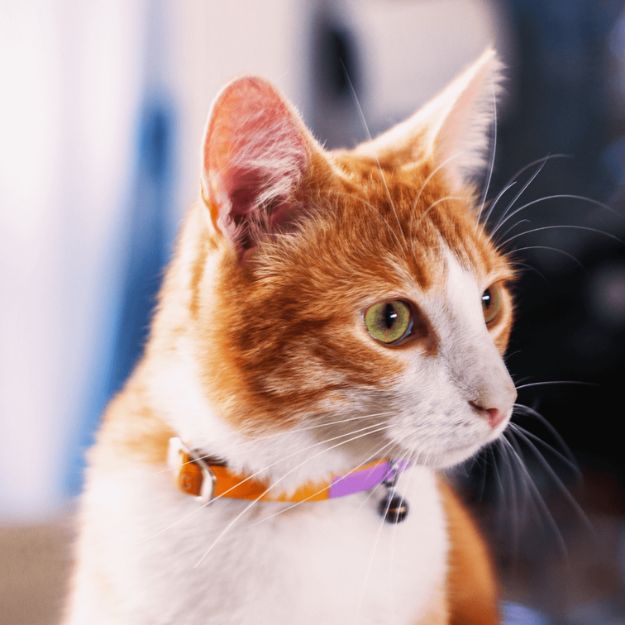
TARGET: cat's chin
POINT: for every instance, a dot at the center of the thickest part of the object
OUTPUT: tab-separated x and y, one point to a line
456	457
449	458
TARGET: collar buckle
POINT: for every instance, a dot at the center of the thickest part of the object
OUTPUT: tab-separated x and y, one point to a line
193	474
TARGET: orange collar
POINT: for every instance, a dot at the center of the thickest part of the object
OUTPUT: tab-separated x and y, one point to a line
208	479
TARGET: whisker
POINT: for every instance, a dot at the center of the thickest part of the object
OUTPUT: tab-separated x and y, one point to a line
553	382
565	491
526	410
431	175
491	166
513	462
539	499
363	120
497	198
515	225
296	453
509	466
392	572
551	249
484	467
500	488
318	492
559	196
273	485
524	188
566	226
436	202
526	495
502	220
571	464
285	433
256	474
530	268
513	179
371	557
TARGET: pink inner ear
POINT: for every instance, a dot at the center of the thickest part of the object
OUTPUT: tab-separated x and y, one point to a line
255	153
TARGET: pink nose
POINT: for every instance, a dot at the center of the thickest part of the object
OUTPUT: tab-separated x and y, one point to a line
494	416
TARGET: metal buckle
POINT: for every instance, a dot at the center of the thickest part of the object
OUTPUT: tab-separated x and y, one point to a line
174	459
390	479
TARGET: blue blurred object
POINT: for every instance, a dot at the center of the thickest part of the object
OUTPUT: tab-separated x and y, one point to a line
148	239
517	614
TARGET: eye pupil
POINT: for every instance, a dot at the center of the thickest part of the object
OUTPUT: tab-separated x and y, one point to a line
390	316
491	304
487	299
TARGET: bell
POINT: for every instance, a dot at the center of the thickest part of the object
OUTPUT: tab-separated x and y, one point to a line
393	508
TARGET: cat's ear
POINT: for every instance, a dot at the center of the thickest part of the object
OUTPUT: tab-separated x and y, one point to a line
256	153
453	129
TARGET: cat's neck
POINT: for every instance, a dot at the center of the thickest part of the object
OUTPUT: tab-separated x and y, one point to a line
164	398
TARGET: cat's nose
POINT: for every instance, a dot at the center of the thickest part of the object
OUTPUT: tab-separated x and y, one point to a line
493	415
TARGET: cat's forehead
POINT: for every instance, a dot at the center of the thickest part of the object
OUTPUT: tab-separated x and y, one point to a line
409	218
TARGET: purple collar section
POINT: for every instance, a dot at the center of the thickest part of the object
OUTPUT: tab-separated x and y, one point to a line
368	477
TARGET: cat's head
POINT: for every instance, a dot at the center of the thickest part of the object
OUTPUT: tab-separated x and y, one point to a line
353	286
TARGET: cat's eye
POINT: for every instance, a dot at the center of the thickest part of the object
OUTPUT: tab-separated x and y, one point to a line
491	303
390	322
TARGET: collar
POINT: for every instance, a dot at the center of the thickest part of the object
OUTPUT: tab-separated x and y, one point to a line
207	478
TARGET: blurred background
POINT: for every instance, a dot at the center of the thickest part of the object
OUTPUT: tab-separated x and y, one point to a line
102	109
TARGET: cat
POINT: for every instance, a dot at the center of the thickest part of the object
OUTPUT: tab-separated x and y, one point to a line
329	318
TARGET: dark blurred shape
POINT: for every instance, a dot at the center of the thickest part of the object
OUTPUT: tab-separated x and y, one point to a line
334	77
337	61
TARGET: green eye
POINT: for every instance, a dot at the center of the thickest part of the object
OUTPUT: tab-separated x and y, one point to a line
491	303
389	322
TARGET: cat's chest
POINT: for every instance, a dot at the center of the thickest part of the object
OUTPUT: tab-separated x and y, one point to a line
326	562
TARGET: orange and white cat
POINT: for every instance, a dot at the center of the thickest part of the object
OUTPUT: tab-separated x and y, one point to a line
323	311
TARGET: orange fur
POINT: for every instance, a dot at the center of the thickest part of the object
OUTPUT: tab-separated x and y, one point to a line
472	592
